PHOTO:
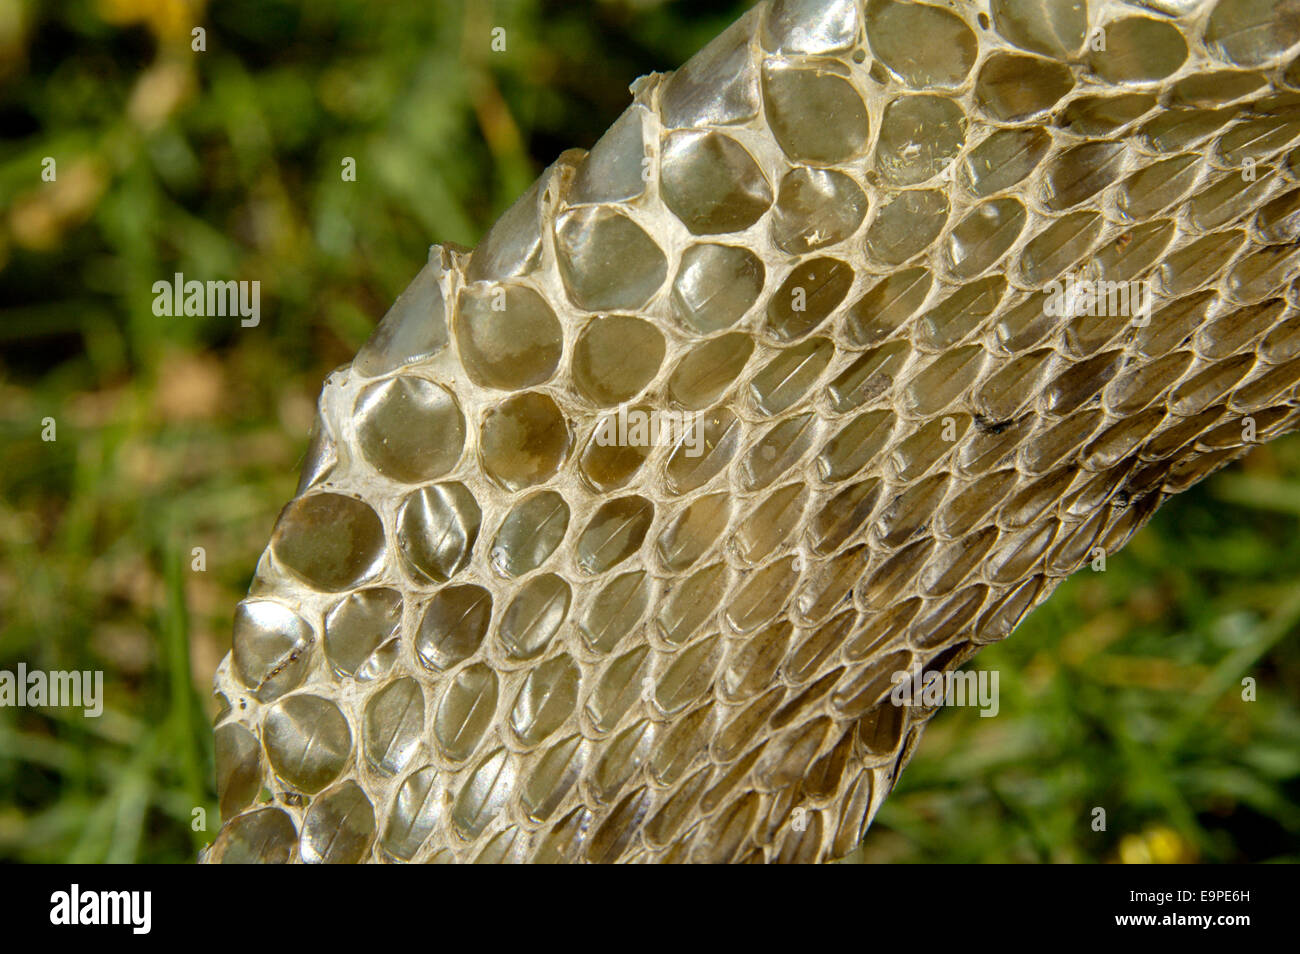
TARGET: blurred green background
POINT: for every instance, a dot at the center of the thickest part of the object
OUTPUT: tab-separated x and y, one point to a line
175	433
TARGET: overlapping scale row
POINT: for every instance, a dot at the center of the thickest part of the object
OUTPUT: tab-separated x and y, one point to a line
610	540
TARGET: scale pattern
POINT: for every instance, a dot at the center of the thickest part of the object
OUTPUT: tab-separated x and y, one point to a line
481	634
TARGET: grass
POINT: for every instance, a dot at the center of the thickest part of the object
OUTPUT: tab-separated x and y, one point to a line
1124	692
183	433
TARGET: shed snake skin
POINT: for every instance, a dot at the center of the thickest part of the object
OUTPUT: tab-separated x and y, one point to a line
846	343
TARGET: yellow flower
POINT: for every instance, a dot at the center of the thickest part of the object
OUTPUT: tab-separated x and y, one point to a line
1160	845
170	20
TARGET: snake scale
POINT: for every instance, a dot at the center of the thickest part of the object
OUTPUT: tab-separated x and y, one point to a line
845	344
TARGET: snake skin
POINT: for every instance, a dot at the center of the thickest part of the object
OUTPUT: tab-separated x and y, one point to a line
481	632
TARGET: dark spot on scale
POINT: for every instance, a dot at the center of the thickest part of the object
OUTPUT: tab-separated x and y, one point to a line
991	427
